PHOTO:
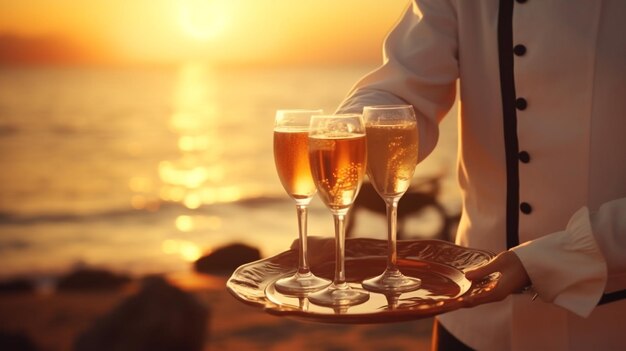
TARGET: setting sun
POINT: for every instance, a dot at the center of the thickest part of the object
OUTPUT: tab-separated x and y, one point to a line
204	20
231	32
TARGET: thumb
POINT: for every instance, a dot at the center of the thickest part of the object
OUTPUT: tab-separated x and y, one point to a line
483	271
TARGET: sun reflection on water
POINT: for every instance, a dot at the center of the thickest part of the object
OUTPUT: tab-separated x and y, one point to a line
196	178
185	223
189	177
193	143
187	250
198	175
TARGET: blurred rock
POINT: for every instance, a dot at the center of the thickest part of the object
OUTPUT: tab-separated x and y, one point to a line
92	280
160	317
17	285
16	342
226	259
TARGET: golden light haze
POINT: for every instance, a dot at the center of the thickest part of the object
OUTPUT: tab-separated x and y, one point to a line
239	32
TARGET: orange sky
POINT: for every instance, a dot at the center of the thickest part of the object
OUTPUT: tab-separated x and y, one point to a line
219	31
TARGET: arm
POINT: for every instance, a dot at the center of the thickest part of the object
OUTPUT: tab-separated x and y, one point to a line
571	268
420	68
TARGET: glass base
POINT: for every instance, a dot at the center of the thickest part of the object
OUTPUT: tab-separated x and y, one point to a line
339	296
392	281
300	284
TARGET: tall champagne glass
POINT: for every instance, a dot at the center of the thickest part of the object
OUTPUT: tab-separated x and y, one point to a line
291	130
338	155
392	143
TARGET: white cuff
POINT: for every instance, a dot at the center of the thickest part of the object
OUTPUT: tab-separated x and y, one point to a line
567	268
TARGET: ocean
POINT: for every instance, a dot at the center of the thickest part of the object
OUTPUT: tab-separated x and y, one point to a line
143	170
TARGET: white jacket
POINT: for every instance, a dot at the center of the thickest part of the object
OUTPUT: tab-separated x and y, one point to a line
542	156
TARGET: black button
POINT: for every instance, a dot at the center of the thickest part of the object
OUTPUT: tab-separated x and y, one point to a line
524	157
521	1
525	208
519	50
521	104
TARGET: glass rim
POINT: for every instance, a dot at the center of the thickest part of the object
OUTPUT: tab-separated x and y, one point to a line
294	118
339	115
387	107
298	110
355	119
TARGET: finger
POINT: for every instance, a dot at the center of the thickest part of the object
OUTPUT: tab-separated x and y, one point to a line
513	278
483	271
507	263
489	290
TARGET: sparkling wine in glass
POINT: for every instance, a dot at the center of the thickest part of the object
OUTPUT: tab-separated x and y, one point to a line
291	131
338	156
392	143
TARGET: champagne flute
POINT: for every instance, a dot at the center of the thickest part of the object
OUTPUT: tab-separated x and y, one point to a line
392	142
338	156
291	129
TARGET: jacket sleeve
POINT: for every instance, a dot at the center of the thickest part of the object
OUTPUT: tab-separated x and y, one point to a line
420	68
574	267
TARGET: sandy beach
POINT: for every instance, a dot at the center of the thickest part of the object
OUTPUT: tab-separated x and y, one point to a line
53	321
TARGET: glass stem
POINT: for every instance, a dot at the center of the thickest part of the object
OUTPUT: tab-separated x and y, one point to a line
340	251
303	265
392	223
